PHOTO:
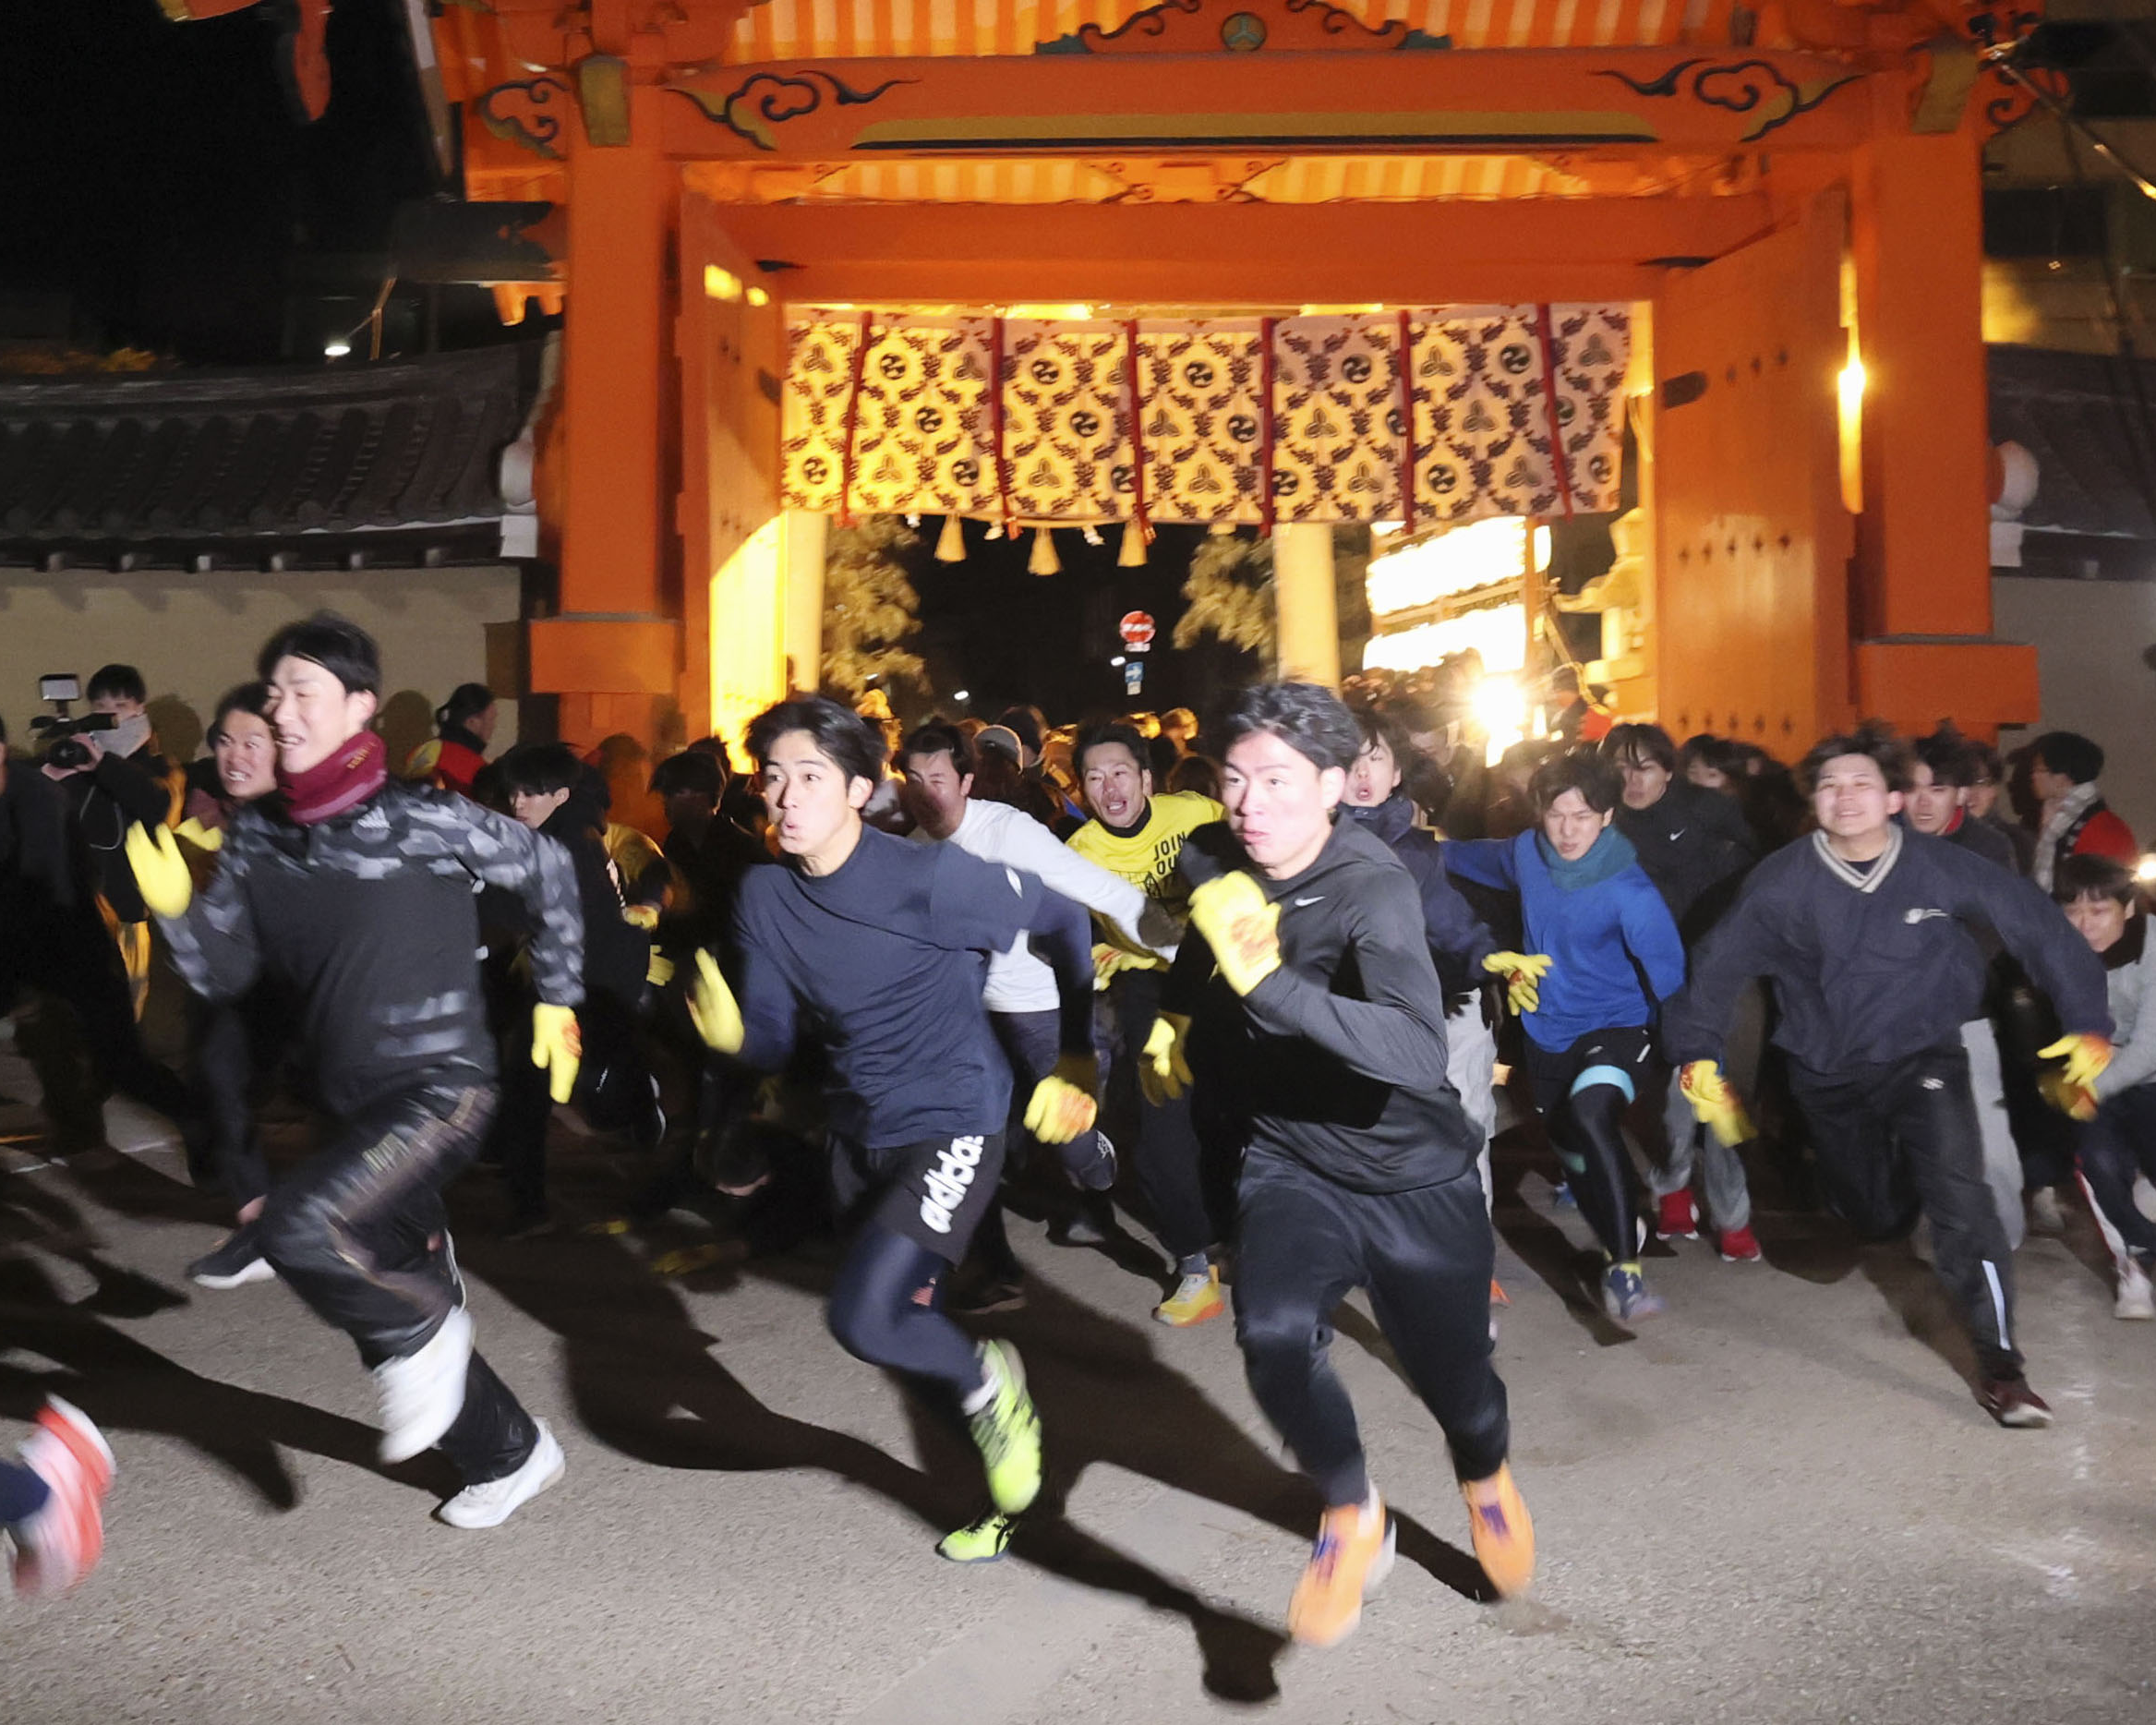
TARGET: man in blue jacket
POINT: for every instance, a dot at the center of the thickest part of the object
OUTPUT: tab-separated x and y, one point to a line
1612	953
1862	930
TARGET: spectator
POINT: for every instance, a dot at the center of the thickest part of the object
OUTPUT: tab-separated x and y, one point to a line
1984	792
1572	717
464	728
2063	770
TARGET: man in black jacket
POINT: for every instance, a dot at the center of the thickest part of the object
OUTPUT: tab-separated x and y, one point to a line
1316	1025
51	938
552	792
125	780
355	890
1863	933
1694	845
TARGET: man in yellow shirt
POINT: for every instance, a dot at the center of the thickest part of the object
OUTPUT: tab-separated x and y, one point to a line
1139	836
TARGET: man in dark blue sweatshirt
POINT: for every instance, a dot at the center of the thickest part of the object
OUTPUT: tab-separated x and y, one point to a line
1863	933
880	947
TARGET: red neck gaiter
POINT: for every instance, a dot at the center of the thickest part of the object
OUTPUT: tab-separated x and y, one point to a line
339	784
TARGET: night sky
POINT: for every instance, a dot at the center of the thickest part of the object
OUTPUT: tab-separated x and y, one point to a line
156	177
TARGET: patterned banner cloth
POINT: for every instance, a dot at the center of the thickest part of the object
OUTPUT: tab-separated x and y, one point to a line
1245	420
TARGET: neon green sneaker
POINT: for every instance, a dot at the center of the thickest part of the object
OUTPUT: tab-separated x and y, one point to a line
983	1541
1007	1430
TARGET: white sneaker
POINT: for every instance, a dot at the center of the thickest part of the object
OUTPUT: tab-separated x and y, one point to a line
491	1504
2044	1214
422	1393
2136	1299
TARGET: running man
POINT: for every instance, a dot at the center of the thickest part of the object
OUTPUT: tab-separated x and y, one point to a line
1693	844
1139	836
1460	945
1609	954
354	890
878	945
1022	995
1862	932
1315	1017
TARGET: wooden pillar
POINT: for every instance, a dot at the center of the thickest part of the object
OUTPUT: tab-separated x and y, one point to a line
1922	611
1923	542
1302	594
802	575
611	651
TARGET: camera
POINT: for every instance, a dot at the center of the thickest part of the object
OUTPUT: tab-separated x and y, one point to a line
56	732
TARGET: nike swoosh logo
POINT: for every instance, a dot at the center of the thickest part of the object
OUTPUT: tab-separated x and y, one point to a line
1679	834
1301	902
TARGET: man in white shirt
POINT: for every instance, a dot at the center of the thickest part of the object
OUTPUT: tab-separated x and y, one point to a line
1021	993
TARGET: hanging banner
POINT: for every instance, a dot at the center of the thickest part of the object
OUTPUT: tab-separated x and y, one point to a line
1509	410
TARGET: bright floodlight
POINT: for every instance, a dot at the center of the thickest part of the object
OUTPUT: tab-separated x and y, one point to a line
336	348
962	694
2146	868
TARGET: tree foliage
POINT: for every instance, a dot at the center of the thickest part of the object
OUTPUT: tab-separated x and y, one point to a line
869	607
1229	591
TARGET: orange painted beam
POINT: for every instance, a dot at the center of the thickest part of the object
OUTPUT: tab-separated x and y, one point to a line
1923	542
1631	99
603	656
1221	255
1977	685
621	211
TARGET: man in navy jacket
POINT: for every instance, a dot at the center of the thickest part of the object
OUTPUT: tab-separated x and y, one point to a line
1862	930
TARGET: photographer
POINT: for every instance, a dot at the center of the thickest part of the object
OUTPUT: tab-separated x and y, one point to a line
110	779
52	940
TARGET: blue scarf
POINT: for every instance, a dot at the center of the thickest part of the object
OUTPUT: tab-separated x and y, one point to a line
1611	854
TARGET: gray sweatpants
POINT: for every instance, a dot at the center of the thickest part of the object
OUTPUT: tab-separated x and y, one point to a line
2002	1161
1689	1149
1471	1060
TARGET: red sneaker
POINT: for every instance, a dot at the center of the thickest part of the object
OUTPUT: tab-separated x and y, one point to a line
1677	1217
61	1543
1740	1246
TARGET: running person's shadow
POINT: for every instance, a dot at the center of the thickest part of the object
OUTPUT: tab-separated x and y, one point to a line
126	1386
1106	1396
636	1361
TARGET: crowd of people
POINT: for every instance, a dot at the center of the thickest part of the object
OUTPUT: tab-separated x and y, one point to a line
1290	959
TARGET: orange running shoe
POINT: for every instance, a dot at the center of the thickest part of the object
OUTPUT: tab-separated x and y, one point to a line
1504	1532
1353	1553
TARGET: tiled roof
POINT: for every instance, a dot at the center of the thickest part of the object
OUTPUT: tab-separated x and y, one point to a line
218	460
2094	441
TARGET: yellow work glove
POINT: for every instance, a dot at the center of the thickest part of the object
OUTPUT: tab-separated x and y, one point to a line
2085	1055
643	916
1164	1074
202	838
161	876
660	971
1241	925
2066	1096
557	1047
1061	1105
1523	974
1109	960
713	1009
1714	1103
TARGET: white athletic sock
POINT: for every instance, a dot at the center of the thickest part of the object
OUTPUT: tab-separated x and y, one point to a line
990	1381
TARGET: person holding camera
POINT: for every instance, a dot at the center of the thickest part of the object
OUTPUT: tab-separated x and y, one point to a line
53	940
111	777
